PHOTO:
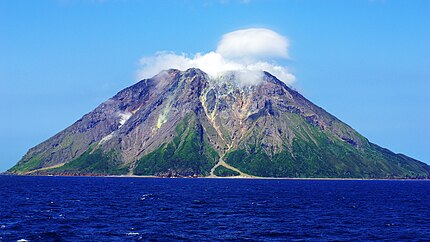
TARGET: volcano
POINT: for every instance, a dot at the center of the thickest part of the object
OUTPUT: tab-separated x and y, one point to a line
186	123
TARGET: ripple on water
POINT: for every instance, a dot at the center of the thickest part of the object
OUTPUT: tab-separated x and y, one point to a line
107	209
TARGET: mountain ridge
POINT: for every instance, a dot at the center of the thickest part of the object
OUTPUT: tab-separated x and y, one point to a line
184	123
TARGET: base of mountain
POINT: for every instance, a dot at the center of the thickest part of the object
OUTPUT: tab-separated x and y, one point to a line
215	177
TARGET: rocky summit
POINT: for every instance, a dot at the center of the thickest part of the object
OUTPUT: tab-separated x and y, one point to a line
184	123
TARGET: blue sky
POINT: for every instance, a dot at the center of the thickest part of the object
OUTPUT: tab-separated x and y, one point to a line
366	62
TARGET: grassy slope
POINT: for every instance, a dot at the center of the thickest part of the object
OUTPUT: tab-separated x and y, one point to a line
93	162
188	154
22	167
328	157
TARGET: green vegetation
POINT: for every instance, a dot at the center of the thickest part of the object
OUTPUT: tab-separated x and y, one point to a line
330	159
317	153
225	172
188	154
94	162
22	167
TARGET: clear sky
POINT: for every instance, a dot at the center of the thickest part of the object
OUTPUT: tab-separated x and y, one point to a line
366	62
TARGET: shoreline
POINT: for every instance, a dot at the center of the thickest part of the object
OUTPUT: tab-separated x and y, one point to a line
232	177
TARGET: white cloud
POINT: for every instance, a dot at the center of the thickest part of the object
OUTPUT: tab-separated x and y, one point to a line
254	43
246	51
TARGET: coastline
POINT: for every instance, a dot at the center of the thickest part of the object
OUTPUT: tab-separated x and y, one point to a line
231	177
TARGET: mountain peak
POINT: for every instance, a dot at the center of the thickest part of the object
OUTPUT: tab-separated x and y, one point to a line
186	123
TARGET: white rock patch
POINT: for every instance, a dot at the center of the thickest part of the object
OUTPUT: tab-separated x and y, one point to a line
124	117
106	138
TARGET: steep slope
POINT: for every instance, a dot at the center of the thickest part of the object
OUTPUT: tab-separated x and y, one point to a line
186	124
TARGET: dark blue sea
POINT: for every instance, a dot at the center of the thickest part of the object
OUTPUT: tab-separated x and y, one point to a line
129	209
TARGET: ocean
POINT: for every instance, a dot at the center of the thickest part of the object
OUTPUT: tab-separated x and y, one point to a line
132	209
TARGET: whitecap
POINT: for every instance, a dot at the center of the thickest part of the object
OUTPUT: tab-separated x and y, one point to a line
145	196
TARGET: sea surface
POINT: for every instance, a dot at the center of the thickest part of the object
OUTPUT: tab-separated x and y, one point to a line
131	209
